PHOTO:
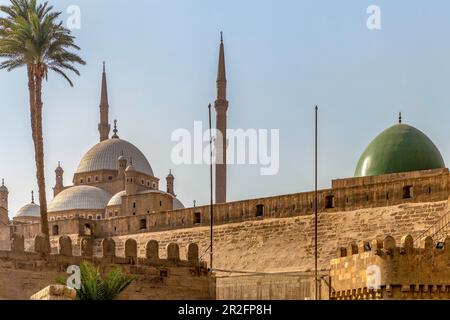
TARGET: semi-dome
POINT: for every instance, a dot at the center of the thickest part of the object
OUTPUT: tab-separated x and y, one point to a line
80	198
104	155
30	210
116	200
400	148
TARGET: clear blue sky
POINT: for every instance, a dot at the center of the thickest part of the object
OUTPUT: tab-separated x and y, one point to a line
283	57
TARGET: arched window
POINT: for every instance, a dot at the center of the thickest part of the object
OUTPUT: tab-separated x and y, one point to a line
55	230
87	230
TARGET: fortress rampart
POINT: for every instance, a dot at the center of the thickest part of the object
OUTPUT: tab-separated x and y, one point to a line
24	273
382	269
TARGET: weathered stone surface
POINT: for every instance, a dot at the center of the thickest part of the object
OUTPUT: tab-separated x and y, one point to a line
65	246
17	243
55	292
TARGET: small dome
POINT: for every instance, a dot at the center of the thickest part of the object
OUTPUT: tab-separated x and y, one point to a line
400	148
104	155
31	210
116	200
121	158
80	198
130	168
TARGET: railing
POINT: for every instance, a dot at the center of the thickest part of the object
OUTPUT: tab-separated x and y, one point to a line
440	227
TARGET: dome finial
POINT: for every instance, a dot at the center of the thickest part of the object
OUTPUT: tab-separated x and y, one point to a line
221	36
400	118
115	136
32	196
3	182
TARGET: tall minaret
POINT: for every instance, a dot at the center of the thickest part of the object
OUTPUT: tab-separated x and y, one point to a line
104	126
221	106
4	204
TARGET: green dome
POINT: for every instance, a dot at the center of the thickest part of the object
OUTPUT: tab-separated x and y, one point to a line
400	148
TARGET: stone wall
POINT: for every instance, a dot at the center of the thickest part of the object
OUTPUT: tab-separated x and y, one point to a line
287	244
272	286
388	270
23	274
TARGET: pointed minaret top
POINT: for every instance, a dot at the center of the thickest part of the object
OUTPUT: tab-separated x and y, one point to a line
104	98
104	126
221	73
32	196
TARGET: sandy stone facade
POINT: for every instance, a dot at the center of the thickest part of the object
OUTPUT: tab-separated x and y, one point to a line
178	277
387	270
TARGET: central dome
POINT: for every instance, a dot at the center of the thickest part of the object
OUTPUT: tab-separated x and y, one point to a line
400	148
104	155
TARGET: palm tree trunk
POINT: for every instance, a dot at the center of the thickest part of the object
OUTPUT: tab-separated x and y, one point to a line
39	156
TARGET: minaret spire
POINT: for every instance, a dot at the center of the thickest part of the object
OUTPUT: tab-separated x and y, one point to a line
221	106
32	196
104	126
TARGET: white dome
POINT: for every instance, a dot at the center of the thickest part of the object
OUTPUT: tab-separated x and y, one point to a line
104	155
29	210
116	200
80	198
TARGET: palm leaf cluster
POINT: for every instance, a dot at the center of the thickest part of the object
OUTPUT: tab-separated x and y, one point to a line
96	287
31	35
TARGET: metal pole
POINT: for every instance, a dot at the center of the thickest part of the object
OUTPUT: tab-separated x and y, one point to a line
211	190
316	211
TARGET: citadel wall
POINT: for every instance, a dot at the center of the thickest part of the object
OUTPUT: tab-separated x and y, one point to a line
22	274
382	269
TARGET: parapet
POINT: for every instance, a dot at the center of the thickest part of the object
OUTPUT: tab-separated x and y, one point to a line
65	256
383	269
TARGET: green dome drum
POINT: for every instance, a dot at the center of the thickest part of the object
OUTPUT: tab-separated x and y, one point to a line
400	148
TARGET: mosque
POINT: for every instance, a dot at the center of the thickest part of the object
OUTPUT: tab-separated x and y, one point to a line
401	185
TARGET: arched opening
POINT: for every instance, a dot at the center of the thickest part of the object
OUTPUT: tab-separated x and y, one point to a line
87	230
55	230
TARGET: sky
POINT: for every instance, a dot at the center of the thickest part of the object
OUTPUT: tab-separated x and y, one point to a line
283	58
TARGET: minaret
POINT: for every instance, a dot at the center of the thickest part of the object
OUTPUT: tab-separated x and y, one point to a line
4	204
130	179
221	106
59	183
4	196
169	182
104	126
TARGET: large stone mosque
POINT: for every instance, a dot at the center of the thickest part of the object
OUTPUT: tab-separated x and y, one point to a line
401	186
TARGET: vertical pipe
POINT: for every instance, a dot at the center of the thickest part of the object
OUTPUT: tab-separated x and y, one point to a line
315	210
211	190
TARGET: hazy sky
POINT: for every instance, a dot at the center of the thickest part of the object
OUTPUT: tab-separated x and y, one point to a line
283	57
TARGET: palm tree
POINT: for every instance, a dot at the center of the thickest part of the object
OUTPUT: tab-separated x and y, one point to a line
31	36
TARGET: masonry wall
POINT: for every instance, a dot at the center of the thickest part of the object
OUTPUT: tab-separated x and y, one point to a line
284	245
22	274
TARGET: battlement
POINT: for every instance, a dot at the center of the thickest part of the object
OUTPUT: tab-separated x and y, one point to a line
382	269
64	257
